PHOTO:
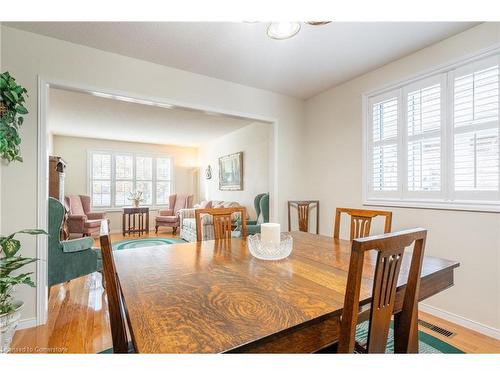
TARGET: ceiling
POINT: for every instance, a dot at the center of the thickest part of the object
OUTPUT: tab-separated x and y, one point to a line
317	58
83	115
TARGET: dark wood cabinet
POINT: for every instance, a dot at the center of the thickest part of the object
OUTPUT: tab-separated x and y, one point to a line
57	167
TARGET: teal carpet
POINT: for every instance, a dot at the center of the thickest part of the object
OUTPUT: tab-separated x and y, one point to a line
427	344
145	242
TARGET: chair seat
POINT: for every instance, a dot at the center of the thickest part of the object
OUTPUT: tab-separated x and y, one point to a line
167	219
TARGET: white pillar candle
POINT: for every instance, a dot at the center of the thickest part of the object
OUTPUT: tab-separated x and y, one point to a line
270	232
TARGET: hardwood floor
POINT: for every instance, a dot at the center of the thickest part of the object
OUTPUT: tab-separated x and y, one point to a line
78	322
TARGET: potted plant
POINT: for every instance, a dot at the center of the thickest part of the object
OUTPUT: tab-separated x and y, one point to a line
12	109
136	197
10	262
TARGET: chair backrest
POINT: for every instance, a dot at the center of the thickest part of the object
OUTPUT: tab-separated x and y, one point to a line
390	250
75	205
361	221
303	214
85	199
264	208
182	201
56	215
222	221
113	291
256	204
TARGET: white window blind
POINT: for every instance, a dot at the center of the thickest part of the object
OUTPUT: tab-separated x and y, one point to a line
100	181
384	144
124	179
424	138
144	177
112	176
163	180
434	141
475	122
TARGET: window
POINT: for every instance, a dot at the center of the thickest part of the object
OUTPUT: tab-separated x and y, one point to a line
162	180
434	142
114	175
101	180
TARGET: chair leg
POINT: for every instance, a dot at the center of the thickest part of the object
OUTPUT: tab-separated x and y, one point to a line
174	230
156	229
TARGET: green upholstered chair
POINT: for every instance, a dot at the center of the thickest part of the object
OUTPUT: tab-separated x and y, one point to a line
261	203
69	259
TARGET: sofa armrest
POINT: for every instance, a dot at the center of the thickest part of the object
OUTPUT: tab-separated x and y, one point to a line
95	215
79	244
185	213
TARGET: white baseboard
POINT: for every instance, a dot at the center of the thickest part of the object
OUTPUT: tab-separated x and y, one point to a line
26	323
464	322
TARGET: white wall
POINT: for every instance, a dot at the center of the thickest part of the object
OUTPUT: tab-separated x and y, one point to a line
74	152
254	141
334	156
28	56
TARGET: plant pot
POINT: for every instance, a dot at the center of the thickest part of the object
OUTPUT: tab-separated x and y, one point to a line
8	325
136	203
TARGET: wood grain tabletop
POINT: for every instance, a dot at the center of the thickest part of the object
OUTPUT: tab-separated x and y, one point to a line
213	296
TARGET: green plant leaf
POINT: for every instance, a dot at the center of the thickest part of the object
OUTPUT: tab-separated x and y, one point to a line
21	110
32	231
9	96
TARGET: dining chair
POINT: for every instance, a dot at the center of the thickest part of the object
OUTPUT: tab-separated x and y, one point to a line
361	221
223	221
303	208
117	316
390	252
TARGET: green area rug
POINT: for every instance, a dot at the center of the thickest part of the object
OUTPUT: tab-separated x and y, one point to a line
145	242
427	344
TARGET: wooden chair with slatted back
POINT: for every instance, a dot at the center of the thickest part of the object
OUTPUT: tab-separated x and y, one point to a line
361	221
222	221
117	316
390	251
303	208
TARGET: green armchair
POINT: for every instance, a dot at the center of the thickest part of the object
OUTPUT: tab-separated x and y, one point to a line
261	203
70	259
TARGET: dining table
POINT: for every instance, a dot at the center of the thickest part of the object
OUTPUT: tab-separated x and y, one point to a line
215	297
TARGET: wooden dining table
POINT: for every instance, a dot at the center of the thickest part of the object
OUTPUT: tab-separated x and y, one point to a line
215	297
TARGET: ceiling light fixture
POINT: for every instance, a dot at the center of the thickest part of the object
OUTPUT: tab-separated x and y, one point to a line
286	30
283	30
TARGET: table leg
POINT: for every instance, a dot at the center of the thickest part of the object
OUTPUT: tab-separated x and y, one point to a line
147	222
123	224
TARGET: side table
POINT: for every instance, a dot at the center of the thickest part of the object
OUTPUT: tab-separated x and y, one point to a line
135	220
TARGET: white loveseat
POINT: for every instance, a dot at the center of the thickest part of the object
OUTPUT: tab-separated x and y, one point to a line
188	222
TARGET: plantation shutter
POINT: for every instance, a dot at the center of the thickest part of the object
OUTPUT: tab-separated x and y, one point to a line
101	179
476	130
383	139
424	108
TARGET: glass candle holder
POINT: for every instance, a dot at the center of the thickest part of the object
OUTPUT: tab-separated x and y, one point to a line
269	250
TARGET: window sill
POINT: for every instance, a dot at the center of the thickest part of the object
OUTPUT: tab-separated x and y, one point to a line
436	205
120	209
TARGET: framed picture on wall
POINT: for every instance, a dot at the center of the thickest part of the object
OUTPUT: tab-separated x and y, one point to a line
231	172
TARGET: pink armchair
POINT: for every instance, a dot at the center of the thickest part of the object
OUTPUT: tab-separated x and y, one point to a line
80	219
170	217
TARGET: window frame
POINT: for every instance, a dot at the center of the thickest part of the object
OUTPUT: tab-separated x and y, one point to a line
114	153
446	198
